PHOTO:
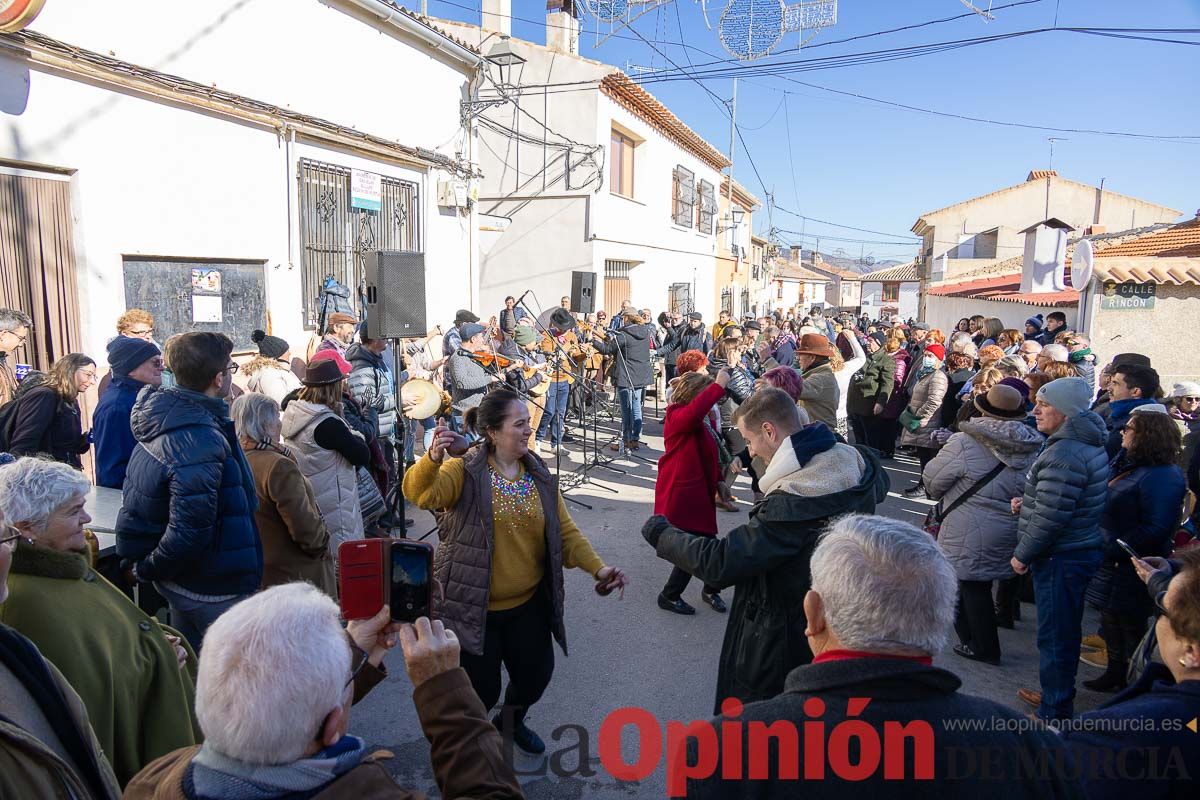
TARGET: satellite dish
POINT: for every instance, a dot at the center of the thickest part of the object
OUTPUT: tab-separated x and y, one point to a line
1081	265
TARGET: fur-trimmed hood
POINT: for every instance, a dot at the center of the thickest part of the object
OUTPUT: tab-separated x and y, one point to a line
1010	440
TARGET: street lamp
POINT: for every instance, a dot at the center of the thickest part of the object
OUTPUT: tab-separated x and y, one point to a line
504	57
736	215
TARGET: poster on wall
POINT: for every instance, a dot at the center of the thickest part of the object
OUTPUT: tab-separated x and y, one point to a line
206	281
1128	296
365	190
207	308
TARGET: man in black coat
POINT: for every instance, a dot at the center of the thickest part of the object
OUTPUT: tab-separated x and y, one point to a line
871	716
694	335
811	478
631	370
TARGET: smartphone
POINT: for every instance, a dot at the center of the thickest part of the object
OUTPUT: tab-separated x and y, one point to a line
361	577
1125	546
411	570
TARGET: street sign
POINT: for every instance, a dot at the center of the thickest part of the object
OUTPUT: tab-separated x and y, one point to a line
1129	296
365	190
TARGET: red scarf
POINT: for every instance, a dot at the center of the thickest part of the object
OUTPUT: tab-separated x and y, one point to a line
848	655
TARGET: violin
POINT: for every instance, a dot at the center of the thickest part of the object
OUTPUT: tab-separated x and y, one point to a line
490	360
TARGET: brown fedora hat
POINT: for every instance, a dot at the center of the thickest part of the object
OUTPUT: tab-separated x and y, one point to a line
321	372
1001	402
815	344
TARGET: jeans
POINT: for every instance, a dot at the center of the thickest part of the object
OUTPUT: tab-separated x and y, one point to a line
410	438
1059	582
631	412
555	404
520	639
193	617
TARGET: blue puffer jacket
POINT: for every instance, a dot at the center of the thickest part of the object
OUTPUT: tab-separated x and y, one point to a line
1065	491
1143	510
112	435
189	497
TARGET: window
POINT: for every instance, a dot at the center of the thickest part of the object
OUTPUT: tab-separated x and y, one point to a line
620	167
707	209
616	285
891	293
679	298
683	194
778	290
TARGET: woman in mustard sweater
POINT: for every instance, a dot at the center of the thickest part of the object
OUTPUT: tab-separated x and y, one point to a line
505	537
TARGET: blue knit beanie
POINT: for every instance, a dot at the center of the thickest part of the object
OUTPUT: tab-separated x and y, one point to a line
1036	321
1070	396
126	353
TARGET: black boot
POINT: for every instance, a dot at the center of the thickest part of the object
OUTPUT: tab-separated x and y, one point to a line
1113	679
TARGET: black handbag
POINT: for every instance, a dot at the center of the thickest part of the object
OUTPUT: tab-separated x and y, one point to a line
933	520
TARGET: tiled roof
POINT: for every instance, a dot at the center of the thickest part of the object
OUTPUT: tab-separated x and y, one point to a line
1182	240
1167	256
1040	174
1007	289
428	24
741	194
901	272
799	273
844	274
637	100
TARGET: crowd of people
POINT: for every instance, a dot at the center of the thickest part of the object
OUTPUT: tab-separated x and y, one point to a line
1048	473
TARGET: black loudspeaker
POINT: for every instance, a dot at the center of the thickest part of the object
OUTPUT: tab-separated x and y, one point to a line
395	289
583	292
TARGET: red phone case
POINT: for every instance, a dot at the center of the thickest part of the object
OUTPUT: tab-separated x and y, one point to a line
362	578
400	612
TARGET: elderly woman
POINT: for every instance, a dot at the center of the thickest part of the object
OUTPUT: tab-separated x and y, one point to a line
47	418
135	676
1145	493
270	372
923	415
327	449
505	538
294	537
819	363
976	475
1143	722
46	740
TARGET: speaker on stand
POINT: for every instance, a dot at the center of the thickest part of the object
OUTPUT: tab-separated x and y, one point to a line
583	292
394	299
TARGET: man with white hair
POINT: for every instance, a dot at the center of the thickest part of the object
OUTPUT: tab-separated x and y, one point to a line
273	698
14	330
881	606
1050	354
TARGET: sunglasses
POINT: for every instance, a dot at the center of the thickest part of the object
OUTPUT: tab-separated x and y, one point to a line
1190	399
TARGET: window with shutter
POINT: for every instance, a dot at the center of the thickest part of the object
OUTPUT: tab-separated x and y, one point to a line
683	197
708	208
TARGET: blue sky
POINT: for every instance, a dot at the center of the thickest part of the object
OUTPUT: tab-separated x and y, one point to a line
870	166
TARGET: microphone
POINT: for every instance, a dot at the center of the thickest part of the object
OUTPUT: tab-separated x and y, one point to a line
521	299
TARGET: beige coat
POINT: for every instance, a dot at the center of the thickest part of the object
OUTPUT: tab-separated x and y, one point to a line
332	477
926	403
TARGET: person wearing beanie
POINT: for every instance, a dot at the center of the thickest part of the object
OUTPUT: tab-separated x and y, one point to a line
980	469
1059	539
270	372
136	364
1033	327
1184	405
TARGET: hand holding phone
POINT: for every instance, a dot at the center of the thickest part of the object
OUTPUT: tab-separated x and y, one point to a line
398	572
1121	543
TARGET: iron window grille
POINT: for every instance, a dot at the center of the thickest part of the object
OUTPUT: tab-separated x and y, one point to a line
336	239
683	191
708	208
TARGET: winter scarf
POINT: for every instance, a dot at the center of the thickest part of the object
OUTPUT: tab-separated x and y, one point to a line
214	776
787	337
1080	355
1119	410
813	463
1177	413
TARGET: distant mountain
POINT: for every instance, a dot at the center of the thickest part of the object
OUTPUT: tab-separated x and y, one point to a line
845	261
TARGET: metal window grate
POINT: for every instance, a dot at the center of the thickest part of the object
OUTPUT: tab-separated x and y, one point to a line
708	208
617	269
335	239
680	298
683	192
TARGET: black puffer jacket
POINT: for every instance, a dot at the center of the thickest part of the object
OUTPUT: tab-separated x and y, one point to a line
1065	490
47	423
695	339
187	513
631	346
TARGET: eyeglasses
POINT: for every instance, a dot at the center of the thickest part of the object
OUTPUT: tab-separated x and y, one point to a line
359	658
232	368
10	537
19	336
140	333
1158	601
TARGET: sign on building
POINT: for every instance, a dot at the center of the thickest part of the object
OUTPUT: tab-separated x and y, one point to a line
1129	296
365	190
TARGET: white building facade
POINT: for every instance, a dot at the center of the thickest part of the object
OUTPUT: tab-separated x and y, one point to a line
263	144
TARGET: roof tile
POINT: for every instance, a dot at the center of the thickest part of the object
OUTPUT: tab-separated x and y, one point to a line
628	94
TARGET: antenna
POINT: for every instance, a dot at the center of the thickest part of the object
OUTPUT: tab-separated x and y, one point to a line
1052	140
986	14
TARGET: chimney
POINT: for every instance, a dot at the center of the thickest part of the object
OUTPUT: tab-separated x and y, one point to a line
1045	255
497	16
562	27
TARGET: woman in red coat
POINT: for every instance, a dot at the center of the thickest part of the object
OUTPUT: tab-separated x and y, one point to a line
688	473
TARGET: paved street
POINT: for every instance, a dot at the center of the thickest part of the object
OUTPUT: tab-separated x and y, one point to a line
630	653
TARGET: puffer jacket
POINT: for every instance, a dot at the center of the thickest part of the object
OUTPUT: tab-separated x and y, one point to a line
370	384
980	535
695	339
1143	510
926	403
1065	491
738	390
630	346
820	394
871	384
187	512
333	478
275	380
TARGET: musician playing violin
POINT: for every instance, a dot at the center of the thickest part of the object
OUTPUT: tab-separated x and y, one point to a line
533	382
561	347
469	379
